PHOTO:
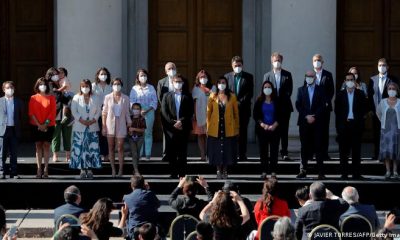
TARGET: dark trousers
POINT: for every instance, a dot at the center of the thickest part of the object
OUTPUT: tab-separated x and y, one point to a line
325	134
283	133
103	144
242	141
350	140
310	138
9	148
268	142
176	151
376	125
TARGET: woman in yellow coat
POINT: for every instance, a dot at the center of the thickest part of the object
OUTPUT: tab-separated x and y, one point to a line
222	128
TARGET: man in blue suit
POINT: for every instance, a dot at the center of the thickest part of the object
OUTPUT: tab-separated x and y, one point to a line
72	196
10	129
350	195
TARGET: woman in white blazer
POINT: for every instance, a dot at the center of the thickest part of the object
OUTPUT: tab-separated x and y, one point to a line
86	110
388	113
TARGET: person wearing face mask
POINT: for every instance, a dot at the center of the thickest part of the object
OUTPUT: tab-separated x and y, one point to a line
200	93
388	112
42	115
116	121
85	153
265	114
377	90
283	85
350	109
176	119
311	105
11	111
100	88
241	84
145	94
324	79
164	86
222	128
359	83
135	135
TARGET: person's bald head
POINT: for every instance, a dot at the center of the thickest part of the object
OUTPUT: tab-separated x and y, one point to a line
310	74
350	195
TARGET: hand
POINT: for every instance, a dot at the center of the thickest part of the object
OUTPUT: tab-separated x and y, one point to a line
310	119
88	232
104	131
264	126
389	223
146	185
178	125
6	237
202	181
124	210
215	196
272	127
181	182
143	113
131	129
235	196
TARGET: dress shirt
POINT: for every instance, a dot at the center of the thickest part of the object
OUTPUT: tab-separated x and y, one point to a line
350	97
278	80
311	89
318	75
382	80
170	84
117	109
178	96
10	111
146	96
237	78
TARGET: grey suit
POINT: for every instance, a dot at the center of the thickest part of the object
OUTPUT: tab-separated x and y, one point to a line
365	210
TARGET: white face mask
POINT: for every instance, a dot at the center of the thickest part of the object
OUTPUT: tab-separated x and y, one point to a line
221	86
237	70
382	69
143	79
276	64
203	81
116	88
309	80
317	64
42	88
136	112
350	84
9	92
392	93
267	91
103	77
54	78
171	73
178	85
85	90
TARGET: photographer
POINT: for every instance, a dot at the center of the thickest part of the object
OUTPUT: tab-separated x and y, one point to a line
188	203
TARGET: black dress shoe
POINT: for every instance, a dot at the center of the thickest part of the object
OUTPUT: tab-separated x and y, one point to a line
302	174
344	177
321	177
358	177
286	158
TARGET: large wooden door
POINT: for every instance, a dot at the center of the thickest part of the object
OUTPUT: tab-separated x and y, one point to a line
194	34
26	45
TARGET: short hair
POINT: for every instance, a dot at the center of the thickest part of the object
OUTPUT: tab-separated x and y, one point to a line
303	193
189	189
382	60
71	194
136	104
394	85
204	231
319	56
350	74
350	195
64	70
117	79
237	59
178	75
141	70
148	231
283	229
8	82
85	82
41	81
278	55
137	181
318	191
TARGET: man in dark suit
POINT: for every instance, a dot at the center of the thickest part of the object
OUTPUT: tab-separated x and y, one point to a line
176	118
325	81
242	84
350	195
72	197
165	85
377	90
319	211
283	84
350	109
310	104
11	110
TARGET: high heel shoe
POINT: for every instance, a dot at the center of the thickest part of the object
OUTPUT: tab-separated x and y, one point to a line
46	173
39	173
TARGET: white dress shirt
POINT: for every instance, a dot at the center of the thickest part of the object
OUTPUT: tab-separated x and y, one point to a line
170	84
350	97
278	80
10	111
178	97
318	75
382	80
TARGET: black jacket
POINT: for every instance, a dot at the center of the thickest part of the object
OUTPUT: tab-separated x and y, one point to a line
342	109
285	89
188	205
246	90
303	104
169	115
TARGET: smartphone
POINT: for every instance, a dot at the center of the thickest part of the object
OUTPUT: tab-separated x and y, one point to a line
76	227
189	178
12	231
118	205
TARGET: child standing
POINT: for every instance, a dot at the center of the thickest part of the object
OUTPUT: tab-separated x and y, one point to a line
65	89
136	135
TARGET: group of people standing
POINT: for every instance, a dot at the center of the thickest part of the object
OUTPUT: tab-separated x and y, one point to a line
97	120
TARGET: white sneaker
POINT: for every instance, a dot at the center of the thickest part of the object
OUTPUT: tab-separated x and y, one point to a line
387	175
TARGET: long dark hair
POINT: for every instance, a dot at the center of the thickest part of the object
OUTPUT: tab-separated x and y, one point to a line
99	215
203	73
227	91
141	70
96	78
261	97
50	72
268	194
223	212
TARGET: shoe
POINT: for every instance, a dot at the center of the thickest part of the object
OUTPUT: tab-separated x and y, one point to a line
15	177
387	175
273	175
82	175
46	174
39	173
358	177
395	176
302	174
89	175
286	158
263	176
321	177
148	158
219	175
344	177
225	175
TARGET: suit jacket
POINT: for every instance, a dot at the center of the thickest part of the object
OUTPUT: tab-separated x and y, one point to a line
162	88
342	109
328	87
78	110
374	95
258	115
285	89
169	115
68	208
124	119
231	116
246	89
18	112
365	210
303	104
316	213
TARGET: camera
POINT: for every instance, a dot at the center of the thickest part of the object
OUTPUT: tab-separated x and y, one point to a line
190	178
118	205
